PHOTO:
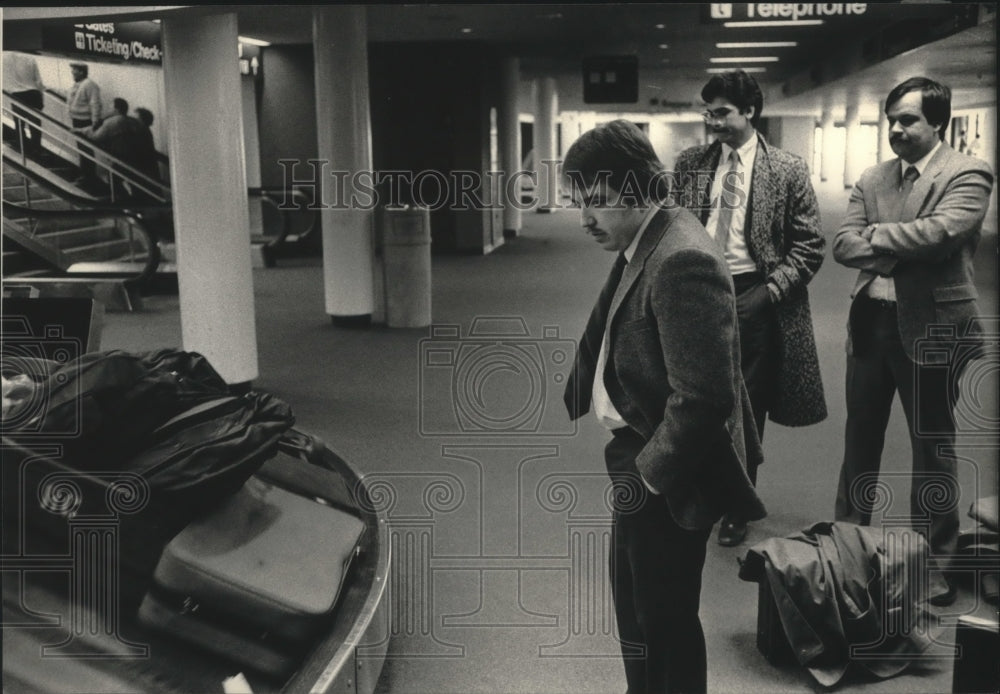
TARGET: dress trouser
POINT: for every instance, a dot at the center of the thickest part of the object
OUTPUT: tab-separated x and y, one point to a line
656	582
31	122
88	169
877	369
758	350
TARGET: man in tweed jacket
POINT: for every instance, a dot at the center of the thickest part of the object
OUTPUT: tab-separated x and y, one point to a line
658	365
768	226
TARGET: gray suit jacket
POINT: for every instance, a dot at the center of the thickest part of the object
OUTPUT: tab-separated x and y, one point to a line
674	352
927	247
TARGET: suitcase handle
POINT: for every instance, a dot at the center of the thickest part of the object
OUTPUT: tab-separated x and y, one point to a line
305	446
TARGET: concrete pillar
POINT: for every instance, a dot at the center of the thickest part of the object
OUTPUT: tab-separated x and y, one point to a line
510	145
343	125
571	131
854	145
885	152
828	167
546	156
209	187
251	149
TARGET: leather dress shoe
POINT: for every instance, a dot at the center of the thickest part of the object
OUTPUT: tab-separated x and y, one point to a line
732	531
946	598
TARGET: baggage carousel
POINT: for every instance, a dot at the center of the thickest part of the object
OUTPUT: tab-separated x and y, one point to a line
69	614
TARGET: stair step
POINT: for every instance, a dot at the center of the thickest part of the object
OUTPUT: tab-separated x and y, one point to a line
113	249
19	263
78	235
109	267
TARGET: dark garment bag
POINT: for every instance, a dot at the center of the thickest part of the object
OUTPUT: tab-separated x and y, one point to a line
258	579
101	407
188	466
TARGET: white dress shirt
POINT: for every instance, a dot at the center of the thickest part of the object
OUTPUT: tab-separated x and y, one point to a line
737	254
605	410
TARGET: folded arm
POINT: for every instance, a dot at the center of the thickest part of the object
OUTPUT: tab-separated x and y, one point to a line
955	218
852	245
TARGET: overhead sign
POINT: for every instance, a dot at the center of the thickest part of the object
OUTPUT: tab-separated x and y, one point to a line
782	11
611	79
133	42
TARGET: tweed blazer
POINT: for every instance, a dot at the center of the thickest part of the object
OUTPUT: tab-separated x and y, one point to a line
926	245
674	359
784	238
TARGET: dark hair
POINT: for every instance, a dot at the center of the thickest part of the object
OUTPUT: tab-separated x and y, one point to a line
82	67
145	115
121	106
935	100
737	87
620	154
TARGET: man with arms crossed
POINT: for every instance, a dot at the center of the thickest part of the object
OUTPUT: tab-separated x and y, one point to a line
659	366
770	233
912	227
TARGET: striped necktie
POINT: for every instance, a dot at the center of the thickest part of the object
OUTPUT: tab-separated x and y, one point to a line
725	218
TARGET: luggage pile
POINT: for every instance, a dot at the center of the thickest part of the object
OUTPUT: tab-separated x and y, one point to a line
210	549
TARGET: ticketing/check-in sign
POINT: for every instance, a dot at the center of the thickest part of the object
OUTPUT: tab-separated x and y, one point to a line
130	42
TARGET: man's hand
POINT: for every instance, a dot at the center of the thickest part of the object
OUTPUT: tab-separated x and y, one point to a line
753	301
867	233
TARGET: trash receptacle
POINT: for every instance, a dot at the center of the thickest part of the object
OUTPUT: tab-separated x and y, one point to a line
406	257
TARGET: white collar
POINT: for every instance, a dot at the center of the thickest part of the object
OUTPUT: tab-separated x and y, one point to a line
650	213
920	164
744	150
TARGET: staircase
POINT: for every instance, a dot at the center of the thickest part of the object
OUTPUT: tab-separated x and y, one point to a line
60	238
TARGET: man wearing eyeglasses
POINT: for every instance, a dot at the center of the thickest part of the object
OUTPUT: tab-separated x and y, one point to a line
758	203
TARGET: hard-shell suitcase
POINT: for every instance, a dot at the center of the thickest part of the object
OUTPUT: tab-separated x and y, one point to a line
257	579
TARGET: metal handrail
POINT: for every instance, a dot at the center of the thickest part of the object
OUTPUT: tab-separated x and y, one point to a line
71	141
133	219
73	198
270	195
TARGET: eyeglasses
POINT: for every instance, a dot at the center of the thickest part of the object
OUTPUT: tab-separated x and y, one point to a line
717	114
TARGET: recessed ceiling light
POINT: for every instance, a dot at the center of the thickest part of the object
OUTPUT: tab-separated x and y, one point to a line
661	26
253	42
664	46
717	70
758	44
776	23
746	59
466	30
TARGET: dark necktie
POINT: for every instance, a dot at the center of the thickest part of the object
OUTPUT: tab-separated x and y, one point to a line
909	177
590	347
577	393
